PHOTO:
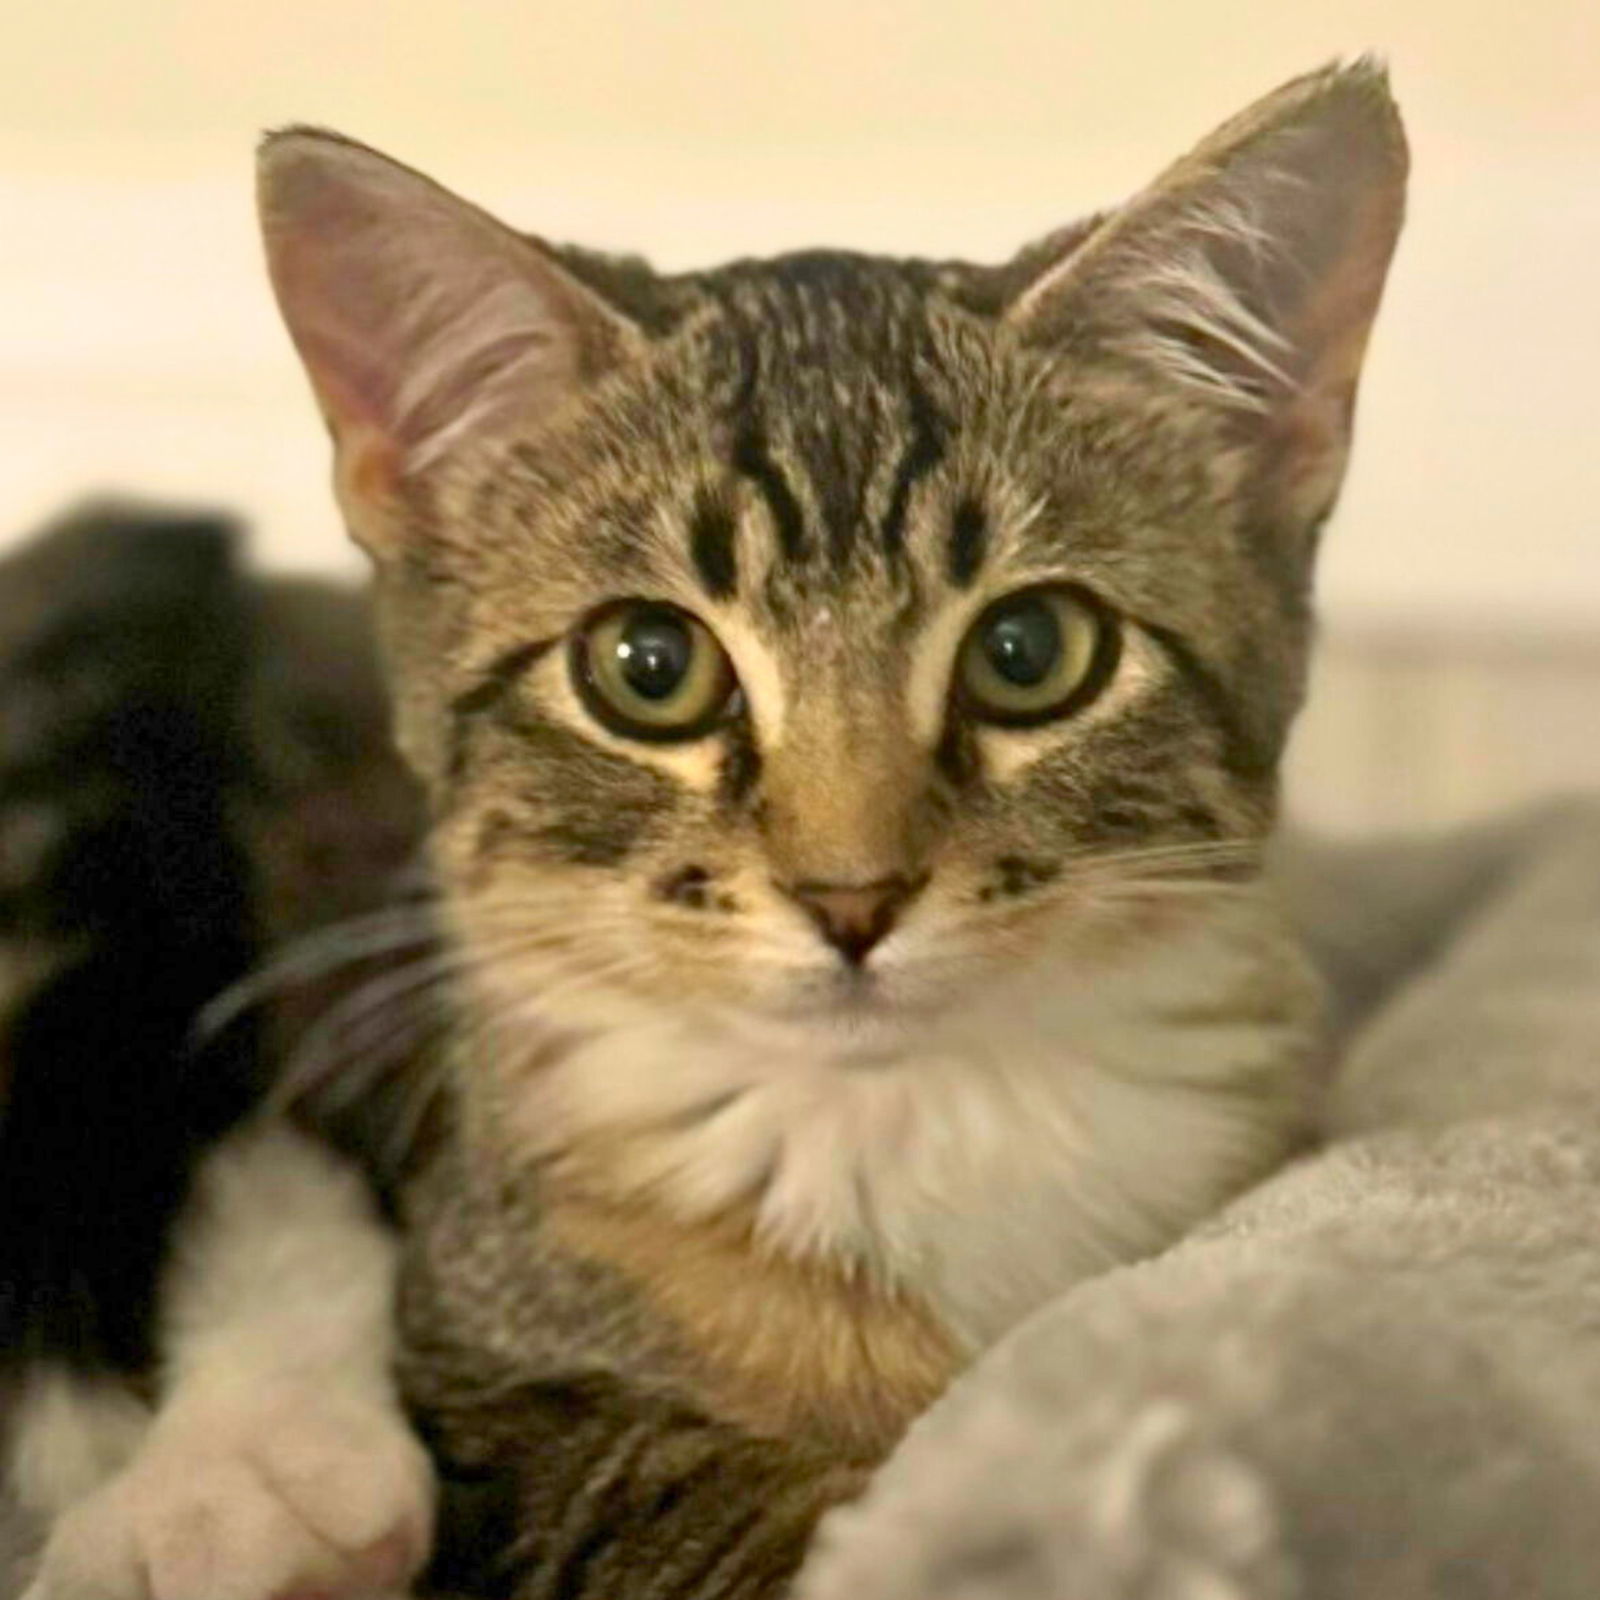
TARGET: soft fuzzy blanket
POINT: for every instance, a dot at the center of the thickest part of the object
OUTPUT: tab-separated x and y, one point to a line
1375	1378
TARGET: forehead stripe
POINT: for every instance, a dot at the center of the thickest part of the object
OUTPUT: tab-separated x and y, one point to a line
923	454
969	543
751	461
712	545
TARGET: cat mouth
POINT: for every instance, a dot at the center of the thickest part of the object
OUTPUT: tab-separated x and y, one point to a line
826	1003
847	1001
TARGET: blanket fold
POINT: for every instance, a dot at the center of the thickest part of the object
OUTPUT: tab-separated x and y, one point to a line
1377	1377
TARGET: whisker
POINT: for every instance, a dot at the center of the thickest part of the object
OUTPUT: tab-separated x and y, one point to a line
344	944
1198	852
396	984
346	1039
336	1044
515	1018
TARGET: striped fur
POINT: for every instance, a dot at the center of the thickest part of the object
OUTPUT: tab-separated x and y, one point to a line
666	1113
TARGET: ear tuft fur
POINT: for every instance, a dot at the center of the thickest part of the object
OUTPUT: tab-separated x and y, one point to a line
1251	270
421	320
1247	277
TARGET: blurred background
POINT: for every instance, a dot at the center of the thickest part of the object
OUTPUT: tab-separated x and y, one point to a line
1461	584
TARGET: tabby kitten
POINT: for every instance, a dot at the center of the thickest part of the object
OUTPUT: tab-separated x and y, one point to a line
849	694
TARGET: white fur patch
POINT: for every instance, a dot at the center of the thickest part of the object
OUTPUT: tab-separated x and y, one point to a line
1056	1128
282	1267
279	1460
282	1490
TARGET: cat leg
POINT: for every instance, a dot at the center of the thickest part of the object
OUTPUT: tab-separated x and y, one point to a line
279	1462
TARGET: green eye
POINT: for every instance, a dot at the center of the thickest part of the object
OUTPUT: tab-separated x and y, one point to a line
647	670
1035	655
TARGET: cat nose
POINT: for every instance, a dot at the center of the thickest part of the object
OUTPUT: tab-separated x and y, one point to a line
853	917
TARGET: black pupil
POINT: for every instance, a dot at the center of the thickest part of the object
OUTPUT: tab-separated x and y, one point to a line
655	650
1023	644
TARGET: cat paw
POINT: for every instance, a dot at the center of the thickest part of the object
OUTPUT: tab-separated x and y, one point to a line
298	1495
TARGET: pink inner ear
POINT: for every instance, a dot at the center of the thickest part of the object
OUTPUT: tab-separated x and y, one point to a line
349	378
419	318
1250	272
325	251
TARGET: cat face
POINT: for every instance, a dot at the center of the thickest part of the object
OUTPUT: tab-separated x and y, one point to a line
828	665
812	643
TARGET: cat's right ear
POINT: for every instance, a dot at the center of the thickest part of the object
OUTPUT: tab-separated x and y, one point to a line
1246	279
422	321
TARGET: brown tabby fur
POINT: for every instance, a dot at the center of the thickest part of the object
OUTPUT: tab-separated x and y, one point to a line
826	457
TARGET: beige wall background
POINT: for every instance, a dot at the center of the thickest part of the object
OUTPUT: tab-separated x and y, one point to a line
138	350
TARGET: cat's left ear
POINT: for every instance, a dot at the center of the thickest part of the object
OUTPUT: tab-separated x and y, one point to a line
1249	274
421	320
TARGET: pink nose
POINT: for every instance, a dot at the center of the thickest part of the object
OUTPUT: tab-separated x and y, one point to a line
853	917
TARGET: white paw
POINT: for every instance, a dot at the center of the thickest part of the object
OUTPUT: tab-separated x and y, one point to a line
295	1495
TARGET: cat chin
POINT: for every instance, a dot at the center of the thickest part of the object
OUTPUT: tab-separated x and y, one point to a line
858	1019
855	1040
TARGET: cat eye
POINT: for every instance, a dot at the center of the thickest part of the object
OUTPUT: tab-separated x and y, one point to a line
648	670
1034	656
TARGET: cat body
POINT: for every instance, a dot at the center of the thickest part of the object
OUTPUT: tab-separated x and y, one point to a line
848	696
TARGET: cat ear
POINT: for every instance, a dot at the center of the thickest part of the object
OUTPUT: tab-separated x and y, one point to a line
421	320
1249	274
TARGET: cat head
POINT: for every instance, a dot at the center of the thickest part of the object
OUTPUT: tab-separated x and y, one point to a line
809	638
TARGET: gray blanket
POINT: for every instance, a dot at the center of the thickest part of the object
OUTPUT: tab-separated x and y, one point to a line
1375	1378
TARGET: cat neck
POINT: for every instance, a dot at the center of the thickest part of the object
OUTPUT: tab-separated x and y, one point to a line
984	1163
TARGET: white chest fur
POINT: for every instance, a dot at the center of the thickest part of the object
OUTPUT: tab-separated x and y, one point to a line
1052	1131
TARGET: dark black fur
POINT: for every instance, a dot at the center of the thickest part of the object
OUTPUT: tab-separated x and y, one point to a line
195	770
123	651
